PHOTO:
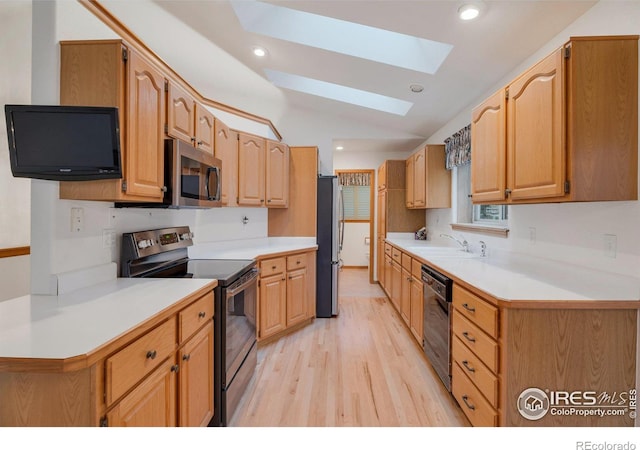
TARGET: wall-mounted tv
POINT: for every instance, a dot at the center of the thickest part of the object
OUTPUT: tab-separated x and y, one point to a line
66	143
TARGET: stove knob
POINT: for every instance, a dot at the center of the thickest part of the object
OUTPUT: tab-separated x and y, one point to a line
186	236
144	243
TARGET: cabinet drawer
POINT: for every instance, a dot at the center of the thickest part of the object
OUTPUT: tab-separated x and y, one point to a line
416	269
191	318
481	313
475	406
396	255
296	261
387	249
272	266
132	363
476	371
406	262
482	345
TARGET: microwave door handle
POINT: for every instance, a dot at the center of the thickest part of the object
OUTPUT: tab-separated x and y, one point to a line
207	181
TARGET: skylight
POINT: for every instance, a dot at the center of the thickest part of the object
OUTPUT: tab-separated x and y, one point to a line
338	92
340	36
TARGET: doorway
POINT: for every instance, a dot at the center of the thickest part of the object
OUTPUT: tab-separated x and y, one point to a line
357	191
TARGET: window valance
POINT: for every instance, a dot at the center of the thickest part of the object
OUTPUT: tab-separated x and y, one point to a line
354	179
458	148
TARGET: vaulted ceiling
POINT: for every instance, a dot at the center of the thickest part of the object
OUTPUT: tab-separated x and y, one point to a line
481	52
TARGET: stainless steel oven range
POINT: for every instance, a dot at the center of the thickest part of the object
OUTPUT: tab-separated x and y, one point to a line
162	253
437	322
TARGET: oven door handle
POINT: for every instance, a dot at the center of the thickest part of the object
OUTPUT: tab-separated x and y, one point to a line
251	279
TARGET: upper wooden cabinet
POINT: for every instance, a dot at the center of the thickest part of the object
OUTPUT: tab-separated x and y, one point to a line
277	175
188	119
226	149
136	86
391	175
428	181
565	130
263	172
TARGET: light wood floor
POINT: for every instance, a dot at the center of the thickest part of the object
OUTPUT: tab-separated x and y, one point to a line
362	368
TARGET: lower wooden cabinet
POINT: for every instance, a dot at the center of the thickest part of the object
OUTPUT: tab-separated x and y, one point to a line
151	404
286	293
159	374
417	309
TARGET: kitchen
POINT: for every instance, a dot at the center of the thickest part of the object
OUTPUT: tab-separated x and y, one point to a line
566	232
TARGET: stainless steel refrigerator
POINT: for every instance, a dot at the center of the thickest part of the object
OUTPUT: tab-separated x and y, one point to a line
330	233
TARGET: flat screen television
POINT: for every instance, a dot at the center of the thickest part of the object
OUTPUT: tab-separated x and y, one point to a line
65	143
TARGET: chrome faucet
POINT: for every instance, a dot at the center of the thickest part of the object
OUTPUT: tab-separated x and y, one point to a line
483	249
464	244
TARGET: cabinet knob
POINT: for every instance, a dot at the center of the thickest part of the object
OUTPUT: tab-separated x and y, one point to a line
151	354
199	143
202	314
175	368
273	267
269	201
164	189
186	357
261	200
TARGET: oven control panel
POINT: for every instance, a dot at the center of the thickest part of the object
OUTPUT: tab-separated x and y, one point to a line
168	238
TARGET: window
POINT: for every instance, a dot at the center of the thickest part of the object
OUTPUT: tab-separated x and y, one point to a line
490	214
356	203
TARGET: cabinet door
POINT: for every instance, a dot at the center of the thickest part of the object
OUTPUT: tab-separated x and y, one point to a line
204	128
196	379
226	149
251	170
296	296
396	284
405	296
380	262
382	176
488	150
420	179
387	275
382	214
180	113
417	309
273	305
277	187
535	131
151	404
145	137
410	164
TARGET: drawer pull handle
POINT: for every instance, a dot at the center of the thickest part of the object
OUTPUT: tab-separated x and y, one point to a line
470	406
298	262
175	368
273	267
467	366
468	308
468	337
151	354
186	357
202	314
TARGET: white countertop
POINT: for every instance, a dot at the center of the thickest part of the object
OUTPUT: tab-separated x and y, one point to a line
516	277
250	248
75	324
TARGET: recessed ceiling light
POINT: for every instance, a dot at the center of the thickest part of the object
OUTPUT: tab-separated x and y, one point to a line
339	147
259	52
468	11
417	88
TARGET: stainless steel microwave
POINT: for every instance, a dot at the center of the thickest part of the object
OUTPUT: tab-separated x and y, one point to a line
192	176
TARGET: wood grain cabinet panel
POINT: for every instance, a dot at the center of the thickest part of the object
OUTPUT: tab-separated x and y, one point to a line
417	309
196	379
273	305
477	310
226	150
296	296
135	85
564	130
204	128
180	113
194	316
477	409
473	337
429	183
277	175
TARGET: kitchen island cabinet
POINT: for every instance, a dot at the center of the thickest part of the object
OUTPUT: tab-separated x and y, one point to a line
128	352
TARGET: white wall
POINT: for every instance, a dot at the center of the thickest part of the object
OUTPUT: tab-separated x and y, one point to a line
15	193
573	233
355	253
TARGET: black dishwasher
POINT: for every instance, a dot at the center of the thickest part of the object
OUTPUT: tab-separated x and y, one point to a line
437	322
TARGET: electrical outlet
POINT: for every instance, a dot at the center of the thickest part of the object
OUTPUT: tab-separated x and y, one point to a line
532	235
77	220
108	238
610	245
